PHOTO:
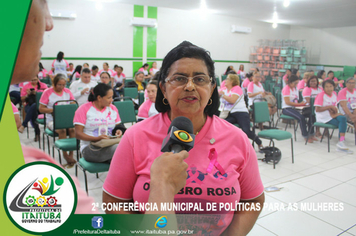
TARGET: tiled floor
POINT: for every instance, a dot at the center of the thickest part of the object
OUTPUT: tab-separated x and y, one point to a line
316	177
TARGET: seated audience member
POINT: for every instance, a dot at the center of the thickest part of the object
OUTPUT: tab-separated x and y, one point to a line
241	72
15	92
76	74
326	111
336	81
238	111
303	83
290	97
144	69
49	97
312	89
119	78
138	82
96	120
86	65
148	109
95	76
286	77
28	97
244	86
153	69
80	88
16	115
42	74
106	69
70	70
105	78
321	76
347	100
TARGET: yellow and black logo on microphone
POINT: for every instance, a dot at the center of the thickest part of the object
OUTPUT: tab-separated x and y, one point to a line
183	136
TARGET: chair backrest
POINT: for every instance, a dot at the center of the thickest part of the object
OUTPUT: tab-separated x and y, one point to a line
126	111
38	97
63	115
223	77
260	112
312	100
300	96
141	98
279	99
131	92
128	81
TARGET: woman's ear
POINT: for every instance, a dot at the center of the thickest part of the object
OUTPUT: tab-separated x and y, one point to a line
163	88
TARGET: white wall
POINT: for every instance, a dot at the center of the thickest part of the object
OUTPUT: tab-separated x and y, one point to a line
328	46
107	33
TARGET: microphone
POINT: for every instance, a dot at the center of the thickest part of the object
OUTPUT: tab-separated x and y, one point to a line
180	136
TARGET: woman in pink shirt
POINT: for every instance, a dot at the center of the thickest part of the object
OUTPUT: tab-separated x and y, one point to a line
48	100
303	83
333	78
221	167
148	108
28	97
144	69
154	69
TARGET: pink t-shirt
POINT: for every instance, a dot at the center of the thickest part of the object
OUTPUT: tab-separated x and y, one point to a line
301	85
145	72
323	100
43	87
154	70
235	178
14	109
254	88
22	84
307	92
293	95
42	74
335	80
240	106
345	95
222	86
146	110
96	122
60	66
50	97
95	78
110	71
119	78
245	85
75	77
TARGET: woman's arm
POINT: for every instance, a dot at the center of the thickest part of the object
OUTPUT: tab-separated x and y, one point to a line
289	103
45	109
79	134
307	99
321	109
343	104
231	99
251	95
243	221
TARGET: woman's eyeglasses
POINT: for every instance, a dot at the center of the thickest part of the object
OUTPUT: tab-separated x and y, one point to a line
180	80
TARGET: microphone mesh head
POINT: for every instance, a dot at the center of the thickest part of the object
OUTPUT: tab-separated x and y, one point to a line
182	123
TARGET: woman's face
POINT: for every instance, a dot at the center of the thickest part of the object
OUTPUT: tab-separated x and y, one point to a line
293	84
313	83
228	83
351	84
152	92
105	67
331	75
140	77
188	99
328	88
257	78
107	99
34	80
104	78
241	67
298	74
154	64
39	20
323	75
60	85
145	67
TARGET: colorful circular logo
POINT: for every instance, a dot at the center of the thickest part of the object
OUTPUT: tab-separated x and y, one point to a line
39	197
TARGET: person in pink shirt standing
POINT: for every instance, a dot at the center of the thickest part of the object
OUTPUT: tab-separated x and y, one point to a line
28	97
347	100
326	111
60	65
221	167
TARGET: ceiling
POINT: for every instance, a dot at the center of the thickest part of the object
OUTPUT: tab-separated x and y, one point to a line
309	13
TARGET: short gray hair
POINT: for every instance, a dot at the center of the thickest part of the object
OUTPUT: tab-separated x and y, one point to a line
351	78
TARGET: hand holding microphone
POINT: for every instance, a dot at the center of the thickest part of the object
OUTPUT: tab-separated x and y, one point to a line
169	171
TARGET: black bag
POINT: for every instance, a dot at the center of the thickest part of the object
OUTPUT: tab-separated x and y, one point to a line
269	155
306	111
